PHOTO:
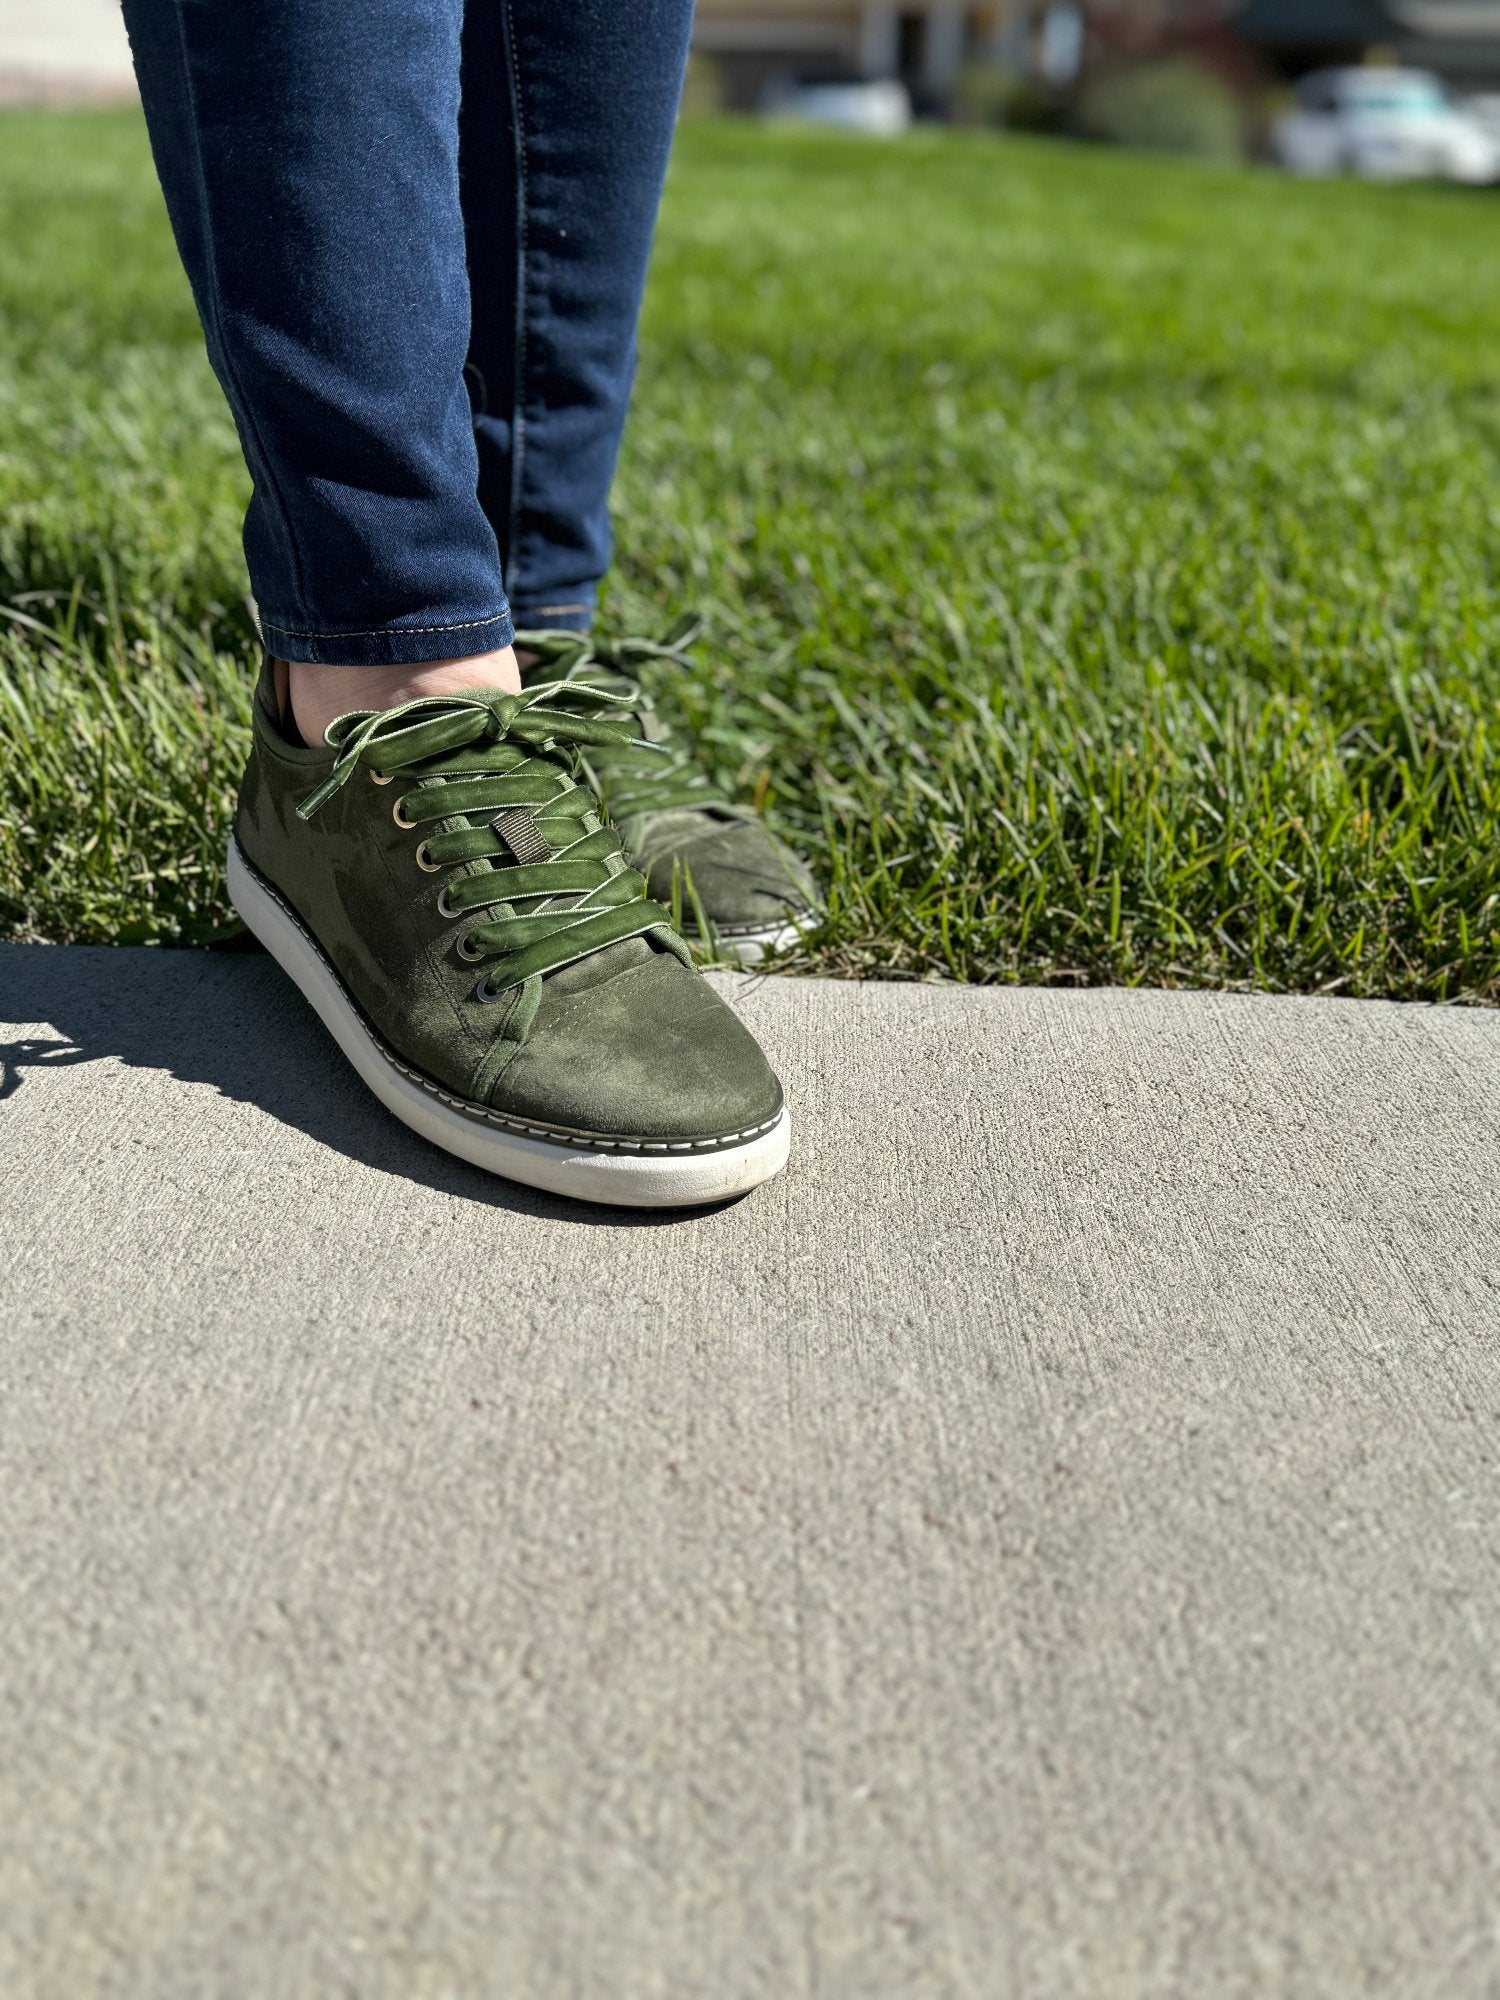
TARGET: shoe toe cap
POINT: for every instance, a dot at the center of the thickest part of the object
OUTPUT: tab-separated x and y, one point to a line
742	875
652	1053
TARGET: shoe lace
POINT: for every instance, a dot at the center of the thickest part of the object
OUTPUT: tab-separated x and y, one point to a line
495	781
647	772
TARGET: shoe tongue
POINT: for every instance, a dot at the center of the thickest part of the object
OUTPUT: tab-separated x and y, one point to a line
599	966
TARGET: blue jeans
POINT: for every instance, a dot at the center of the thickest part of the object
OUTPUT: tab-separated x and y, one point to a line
417	232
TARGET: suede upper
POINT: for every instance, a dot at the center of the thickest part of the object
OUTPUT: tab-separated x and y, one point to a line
742	877
626	1040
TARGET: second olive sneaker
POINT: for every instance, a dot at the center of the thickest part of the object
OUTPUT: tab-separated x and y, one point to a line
453	902
716	862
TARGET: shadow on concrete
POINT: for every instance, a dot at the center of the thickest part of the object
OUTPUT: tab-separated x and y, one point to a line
232	1020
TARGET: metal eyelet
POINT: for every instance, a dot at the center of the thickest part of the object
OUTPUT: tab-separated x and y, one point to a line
443	909
483	994
382	777
397	816
468	953
424	861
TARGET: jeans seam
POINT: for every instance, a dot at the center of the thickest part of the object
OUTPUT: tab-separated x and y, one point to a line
244	408
518	413
380	631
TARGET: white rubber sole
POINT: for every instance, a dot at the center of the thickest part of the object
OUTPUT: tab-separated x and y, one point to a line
628	1173
750	947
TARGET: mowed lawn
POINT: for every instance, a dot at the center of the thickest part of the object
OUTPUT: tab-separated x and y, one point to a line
1102	554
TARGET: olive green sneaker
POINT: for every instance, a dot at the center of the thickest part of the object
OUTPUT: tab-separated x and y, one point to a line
457	908
701	855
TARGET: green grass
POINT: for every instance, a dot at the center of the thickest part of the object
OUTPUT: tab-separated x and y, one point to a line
1102	553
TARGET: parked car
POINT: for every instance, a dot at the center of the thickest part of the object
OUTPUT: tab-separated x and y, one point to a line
853	104
1383	124
1484	110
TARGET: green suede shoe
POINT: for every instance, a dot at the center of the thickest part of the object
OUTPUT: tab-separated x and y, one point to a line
754	892
457	909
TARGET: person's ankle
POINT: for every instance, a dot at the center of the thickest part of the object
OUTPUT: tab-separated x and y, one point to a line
317	693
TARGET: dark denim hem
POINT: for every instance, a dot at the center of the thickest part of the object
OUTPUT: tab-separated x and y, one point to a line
573	614
391	645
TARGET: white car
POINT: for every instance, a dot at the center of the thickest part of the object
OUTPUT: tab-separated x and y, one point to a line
1385	125
850	105
1484	110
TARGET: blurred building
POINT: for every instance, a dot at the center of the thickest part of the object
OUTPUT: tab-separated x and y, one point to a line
924	43
928	44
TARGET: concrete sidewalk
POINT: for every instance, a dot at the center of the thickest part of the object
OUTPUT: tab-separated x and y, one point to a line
63	51
1046	1544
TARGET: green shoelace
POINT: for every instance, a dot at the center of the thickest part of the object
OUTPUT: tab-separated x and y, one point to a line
646	773
494	778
